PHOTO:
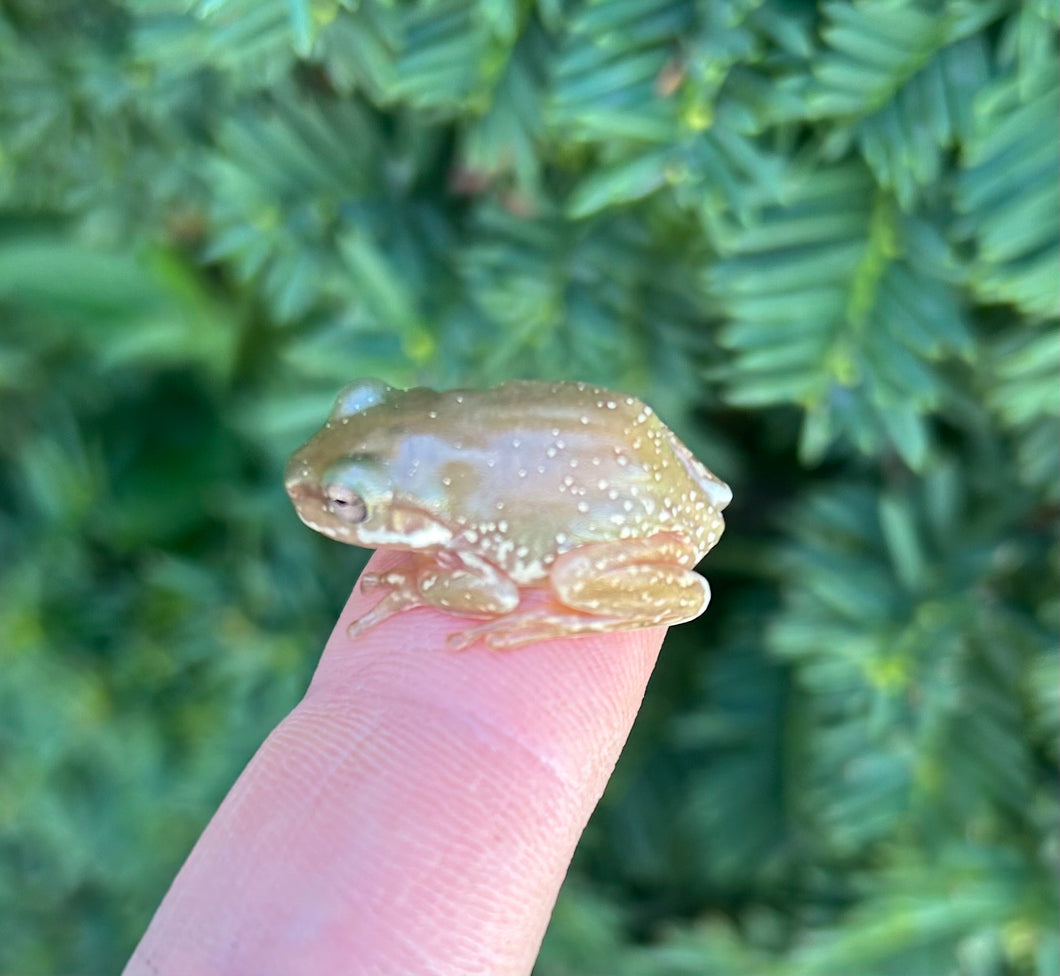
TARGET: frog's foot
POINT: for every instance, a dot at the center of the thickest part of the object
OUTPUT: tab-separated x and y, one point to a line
402	594
621	585
531	627
469	587
393	602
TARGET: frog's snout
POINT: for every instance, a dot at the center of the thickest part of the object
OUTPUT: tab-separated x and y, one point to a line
297	478
300	491
306	494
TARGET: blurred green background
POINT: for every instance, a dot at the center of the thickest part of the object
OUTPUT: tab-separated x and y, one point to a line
820	238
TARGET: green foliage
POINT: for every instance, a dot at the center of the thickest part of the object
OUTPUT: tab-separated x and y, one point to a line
820	238
839	303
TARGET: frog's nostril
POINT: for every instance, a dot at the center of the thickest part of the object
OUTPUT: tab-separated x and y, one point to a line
299	485
296	477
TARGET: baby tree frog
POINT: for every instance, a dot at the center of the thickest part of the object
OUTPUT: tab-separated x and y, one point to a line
578	495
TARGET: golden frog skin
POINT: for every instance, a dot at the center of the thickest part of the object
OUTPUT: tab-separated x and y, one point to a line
564	488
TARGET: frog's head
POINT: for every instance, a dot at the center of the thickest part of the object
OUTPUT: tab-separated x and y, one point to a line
341	494
340	481
344	497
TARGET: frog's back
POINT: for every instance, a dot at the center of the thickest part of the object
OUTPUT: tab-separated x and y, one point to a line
627	419
547	405
570	463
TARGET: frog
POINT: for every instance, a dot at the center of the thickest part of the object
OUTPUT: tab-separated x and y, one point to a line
536	509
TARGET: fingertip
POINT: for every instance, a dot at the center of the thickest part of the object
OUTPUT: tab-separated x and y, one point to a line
594	682
416	812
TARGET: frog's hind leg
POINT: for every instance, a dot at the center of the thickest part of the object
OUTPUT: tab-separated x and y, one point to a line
532	626
620	585
645	582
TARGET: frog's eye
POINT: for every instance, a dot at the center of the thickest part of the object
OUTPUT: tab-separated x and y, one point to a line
358	396
346	504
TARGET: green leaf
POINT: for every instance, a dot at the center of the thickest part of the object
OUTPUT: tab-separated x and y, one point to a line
622	183
1009	192
826	311
378	287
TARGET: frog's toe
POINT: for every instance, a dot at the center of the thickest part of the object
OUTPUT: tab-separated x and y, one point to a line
371	582
509	640
532	626
394	602
497	634
359	626
492	637
461	640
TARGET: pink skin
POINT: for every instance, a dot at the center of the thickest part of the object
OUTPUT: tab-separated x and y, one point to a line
415	813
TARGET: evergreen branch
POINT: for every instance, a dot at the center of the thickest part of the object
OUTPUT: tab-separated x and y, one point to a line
828	308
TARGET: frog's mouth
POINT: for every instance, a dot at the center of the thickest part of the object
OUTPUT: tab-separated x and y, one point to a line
311	503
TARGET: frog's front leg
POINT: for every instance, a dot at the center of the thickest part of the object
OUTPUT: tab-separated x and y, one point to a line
457	583
619	585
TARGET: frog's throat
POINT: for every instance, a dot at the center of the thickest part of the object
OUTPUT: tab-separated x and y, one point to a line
421	536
